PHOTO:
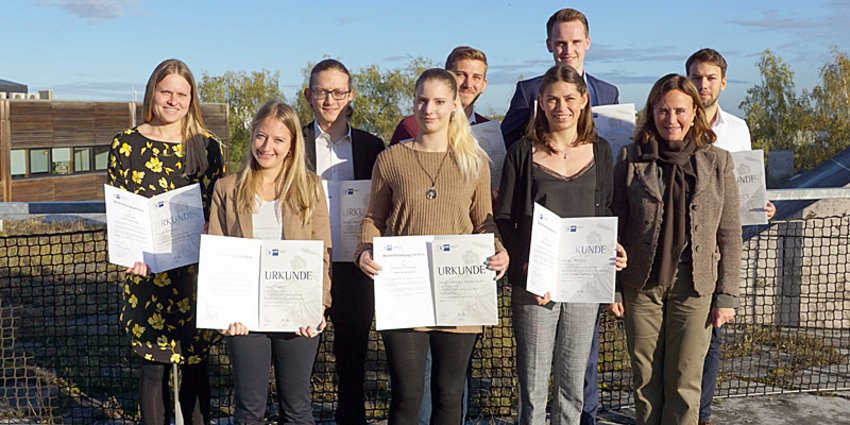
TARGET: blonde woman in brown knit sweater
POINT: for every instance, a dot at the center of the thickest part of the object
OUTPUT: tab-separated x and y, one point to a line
438	184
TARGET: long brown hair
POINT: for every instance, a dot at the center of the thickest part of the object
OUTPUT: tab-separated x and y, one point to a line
193	130
292	183
700	133
538	128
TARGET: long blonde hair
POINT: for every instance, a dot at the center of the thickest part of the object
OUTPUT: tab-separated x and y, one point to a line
193	130
293	185
466	151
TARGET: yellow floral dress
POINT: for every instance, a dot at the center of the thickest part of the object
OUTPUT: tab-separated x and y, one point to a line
158	311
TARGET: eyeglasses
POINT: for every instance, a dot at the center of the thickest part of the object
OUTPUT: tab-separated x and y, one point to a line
321	94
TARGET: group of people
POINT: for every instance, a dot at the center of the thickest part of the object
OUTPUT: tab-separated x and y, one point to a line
673	191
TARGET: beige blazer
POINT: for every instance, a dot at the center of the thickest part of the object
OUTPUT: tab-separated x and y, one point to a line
226	220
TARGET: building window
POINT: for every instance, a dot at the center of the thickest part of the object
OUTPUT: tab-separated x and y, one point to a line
82	160
19	163
101	157
39	161
60	161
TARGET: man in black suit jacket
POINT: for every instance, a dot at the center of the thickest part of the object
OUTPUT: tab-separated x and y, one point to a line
365	148
568	39
337	151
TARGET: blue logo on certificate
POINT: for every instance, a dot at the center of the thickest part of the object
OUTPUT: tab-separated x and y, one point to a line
160	204
274	252
446	247
573	229
349	191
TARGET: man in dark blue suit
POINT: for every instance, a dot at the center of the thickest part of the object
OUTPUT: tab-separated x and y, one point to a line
568	39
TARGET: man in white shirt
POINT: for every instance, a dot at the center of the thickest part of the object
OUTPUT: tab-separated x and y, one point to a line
707	70
336	151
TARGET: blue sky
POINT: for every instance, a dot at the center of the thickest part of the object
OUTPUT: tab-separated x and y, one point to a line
102	49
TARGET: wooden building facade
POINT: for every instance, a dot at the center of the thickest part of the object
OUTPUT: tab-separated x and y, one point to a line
58	150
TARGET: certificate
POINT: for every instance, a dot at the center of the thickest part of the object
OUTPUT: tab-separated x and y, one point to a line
434	281
354	198
269	286
749	174
348	201
616	124
403	294
489	136
464	289
573	259
162	231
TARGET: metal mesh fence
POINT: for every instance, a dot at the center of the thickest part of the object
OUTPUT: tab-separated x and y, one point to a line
64	359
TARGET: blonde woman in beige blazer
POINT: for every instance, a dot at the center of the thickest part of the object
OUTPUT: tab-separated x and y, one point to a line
273	197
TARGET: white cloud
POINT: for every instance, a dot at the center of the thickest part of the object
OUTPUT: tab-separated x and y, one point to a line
92	10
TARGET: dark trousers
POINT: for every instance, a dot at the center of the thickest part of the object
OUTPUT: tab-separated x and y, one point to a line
251	360
351	314
155	401
591	386
406	351
710	369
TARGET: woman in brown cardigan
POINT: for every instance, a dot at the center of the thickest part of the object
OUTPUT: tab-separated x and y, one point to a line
437	184
273	197
677	203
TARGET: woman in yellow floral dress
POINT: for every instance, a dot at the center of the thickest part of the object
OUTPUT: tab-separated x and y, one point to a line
171	149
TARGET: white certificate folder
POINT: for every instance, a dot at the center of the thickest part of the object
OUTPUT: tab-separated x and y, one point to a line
348	201
267	285
573	259
749	175
434	281
163	231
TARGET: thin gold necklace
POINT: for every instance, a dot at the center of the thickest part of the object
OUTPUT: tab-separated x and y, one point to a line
431	193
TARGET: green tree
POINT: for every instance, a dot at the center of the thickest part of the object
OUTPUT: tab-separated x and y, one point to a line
778	118
831	103
243	93
302	107
383	96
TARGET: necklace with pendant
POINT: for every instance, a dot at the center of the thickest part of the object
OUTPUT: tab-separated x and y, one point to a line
431	193
558	151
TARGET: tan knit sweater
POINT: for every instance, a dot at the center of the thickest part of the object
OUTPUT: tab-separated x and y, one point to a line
398	206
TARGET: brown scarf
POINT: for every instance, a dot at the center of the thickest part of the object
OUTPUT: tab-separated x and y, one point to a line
679	178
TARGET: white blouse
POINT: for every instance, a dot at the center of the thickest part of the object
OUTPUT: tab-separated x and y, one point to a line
267	220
